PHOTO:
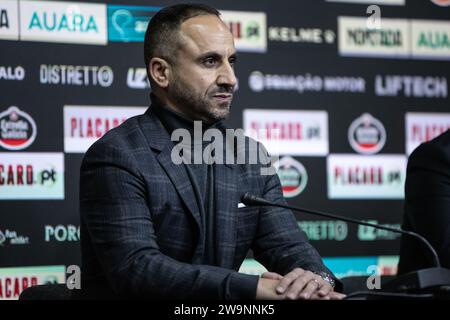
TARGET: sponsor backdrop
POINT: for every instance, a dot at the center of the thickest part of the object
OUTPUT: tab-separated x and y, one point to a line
343	91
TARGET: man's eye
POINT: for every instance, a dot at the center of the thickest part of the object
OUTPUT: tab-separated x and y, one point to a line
209	61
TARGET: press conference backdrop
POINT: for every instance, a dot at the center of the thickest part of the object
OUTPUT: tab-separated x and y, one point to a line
351	86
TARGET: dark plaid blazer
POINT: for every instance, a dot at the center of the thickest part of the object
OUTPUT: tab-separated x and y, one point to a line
141	230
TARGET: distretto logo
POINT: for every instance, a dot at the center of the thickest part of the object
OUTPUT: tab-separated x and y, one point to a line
422	127
366	134
14	280
9	20
129	23
301	35
411	86
83	125
430	39
12	73
17	129
31	176
10	237
366	177
355	39
248	29
366	233
293	176
62	233
325	230
76	75
67	22
442	3
286	132
259	82
137	78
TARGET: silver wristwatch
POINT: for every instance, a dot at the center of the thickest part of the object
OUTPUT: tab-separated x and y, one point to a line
327	277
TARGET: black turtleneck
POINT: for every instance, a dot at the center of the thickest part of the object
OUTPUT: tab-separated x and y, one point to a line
200	175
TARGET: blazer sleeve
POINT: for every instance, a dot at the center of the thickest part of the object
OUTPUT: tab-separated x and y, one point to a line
427	196
280	244
113	207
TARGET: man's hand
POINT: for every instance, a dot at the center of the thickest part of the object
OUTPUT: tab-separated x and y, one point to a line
302	284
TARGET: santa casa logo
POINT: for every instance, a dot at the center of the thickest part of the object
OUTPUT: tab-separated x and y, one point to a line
68	22
10	73
442	3
293	176
289	132
17	129
422	127
248	29
31	176
366	177
83	125
137	78
14	280
366	134
9	20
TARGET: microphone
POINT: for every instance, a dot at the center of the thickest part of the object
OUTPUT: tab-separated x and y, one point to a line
416	280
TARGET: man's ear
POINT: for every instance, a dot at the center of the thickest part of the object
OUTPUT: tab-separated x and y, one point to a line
159	70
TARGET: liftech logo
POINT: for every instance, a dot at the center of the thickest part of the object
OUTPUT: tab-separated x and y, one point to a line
430	39
31	176
83	125
366	134
366	177
67	22
129	23
286	132
17	129
9	20
356	39
248	29
14	280
293	176
422	127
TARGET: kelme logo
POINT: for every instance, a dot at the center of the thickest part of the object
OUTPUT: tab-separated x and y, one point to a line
17	129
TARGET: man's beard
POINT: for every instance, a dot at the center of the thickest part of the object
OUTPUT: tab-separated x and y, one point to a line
192	103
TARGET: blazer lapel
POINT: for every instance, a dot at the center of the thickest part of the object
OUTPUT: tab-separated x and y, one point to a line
158	138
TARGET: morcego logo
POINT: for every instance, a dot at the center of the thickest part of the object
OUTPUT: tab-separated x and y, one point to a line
17	129
129	23
67	22
293	176
356	39
9	20
366	134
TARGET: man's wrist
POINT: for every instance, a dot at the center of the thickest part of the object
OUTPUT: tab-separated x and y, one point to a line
327	278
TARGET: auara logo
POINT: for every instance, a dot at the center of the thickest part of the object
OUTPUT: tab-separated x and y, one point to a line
17	129
58	22
366	134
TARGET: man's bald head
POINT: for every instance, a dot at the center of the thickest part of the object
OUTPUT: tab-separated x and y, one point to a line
162	37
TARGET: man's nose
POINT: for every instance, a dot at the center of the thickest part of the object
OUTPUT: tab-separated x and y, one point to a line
226	76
